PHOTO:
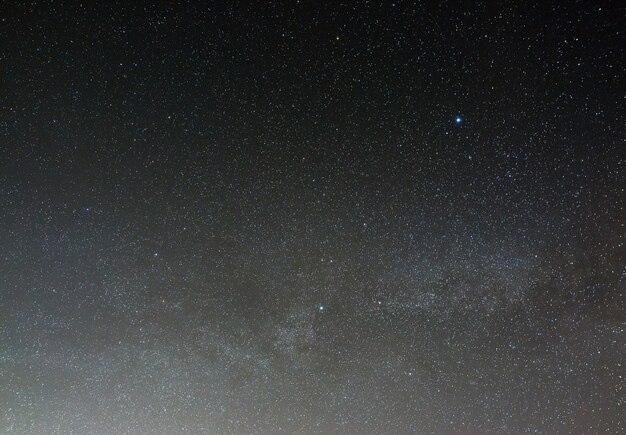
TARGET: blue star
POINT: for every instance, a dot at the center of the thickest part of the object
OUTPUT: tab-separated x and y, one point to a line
458	119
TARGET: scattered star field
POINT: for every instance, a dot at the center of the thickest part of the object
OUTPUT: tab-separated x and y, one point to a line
312	217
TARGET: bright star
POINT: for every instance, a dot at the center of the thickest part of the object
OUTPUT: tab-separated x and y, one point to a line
458	119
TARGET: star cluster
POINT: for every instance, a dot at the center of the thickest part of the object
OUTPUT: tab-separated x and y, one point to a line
353	217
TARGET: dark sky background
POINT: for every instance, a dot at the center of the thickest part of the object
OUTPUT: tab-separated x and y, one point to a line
312	217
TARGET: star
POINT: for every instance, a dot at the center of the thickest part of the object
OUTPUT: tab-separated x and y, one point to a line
458	120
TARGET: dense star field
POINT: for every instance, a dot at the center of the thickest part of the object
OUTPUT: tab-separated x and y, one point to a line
312	217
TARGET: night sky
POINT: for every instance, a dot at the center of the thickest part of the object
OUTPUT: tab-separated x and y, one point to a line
312	217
